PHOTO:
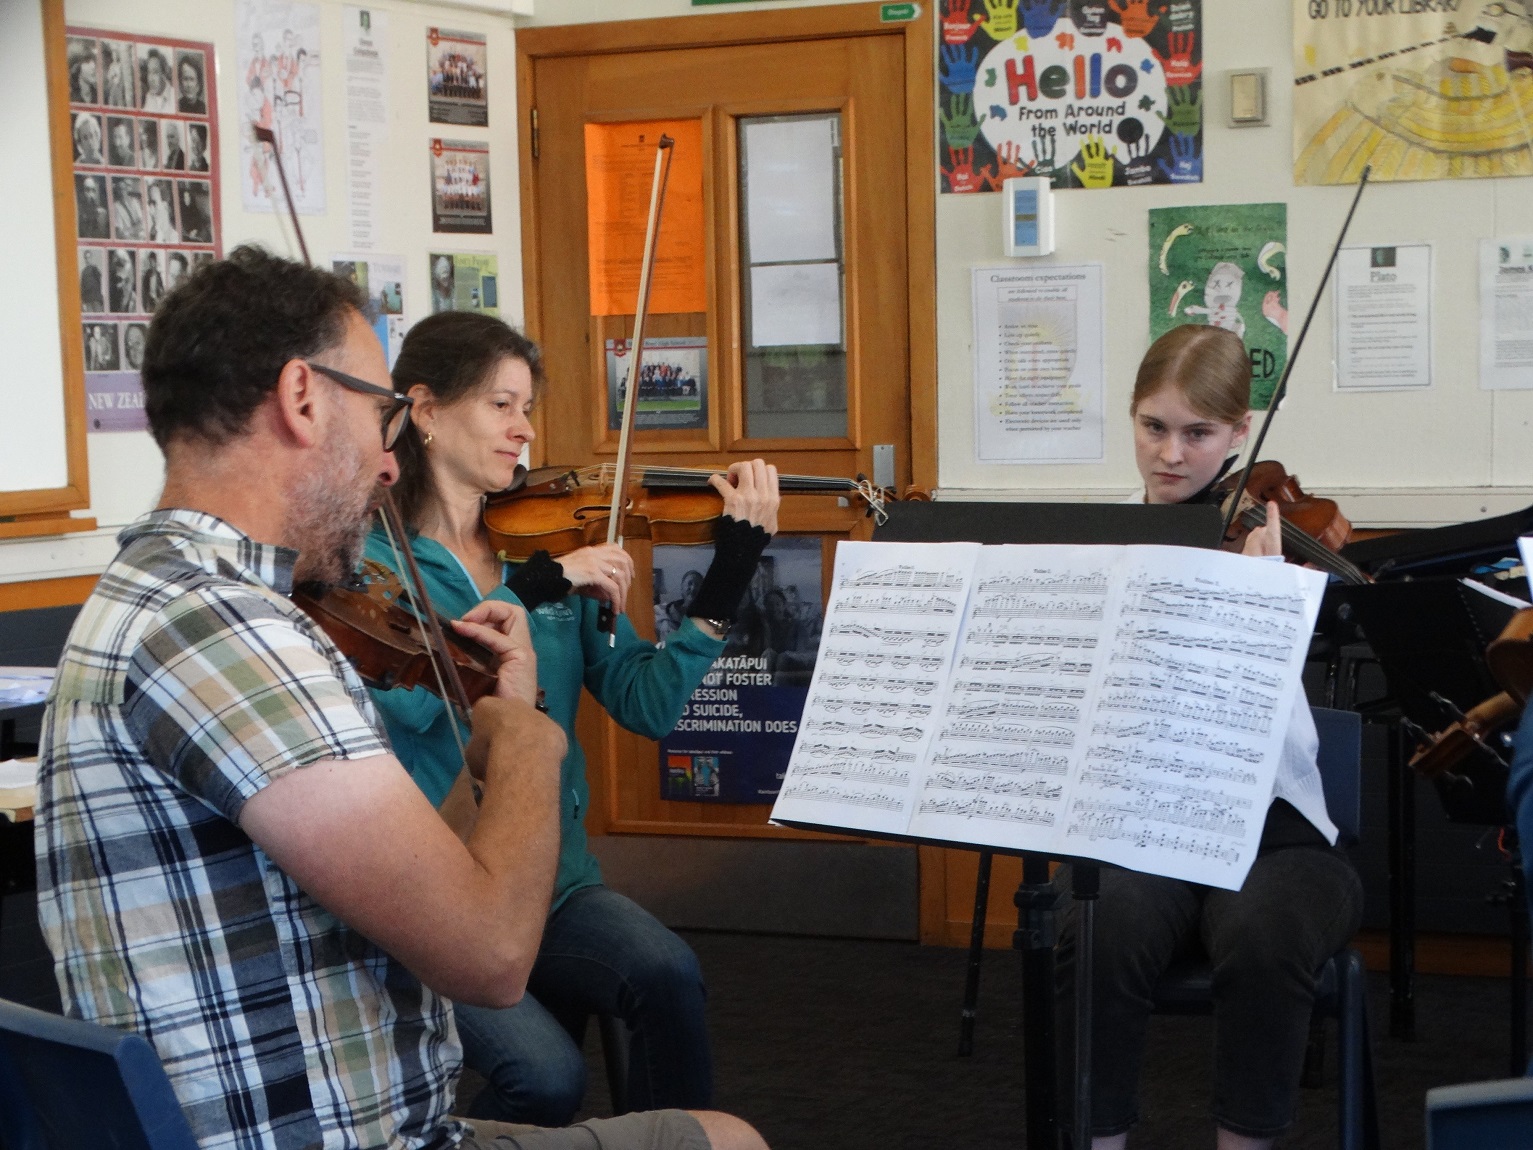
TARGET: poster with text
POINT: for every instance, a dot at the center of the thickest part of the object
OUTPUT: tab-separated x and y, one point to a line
1039	350
736	735
673	383
1419	89
465	281
382	280
1506	313
1091	93
460	186
457	65
1225	265
1383	309
277	69
143	118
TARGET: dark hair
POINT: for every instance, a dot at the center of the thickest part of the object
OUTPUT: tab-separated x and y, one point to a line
219	340
1208	364
452	353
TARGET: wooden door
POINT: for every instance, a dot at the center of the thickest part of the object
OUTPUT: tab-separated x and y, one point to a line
863	407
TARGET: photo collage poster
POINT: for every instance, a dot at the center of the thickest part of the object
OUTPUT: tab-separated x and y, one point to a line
143	115
457	70
460	186
1090	93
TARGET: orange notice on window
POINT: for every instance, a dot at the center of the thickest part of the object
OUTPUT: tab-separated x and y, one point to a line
620	171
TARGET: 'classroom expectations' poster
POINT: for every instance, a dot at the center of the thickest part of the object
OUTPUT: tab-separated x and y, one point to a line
1093	94
1225	265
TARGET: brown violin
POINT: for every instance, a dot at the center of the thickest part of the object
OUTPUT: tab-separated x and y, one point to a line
1314	529
560	510
1510	658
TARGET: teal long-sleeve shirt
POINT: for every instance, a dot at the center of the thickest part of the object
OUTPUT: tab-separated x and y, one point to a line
642	686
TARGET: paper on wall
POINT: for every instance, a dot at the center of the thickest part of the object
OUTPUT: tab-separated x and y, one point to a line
1384	318
1506	313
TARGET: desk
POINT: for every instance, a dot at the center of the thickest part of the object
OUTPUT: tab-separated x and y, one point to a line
16	806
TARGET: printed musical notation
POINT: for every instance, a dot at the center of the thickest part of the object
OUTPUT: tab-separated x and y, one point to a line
1120	703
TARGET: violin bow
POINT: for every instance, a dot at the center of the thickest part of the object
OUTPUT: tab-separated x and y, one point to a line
1282	388
426	616
663	152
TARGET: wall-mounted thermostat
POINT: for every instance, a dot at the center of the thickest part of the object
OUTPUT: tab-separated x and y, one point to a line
1027	204
1248	98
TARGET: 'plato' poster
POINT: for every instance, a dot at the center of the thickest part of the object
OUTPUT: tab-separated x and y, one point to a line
1091	93
1225	265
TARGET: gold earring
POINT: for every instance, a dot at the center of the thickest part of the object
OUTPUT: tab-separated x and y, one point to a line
427	441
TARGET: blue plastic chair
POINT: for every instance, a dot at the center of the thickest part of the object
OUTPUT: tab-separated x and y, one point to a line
1342	989
1481	1116
69	1085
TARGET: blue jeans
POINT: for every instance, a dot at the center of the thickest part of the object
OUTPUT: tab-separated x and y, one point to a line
601	954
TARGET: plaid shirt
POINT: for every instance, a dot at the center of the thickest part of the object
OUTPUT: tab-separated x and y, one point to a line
189	683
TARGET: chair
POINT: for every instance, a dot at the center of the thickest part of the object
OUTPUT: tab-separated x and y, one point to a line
1481	1116
68	1085
1342	992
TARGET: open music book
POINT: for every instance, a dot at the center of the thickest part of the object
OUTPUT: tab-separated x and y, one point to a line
1125	704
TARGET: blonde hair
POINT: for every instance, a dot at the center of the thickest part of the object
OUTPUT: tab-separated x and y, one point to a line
1208	365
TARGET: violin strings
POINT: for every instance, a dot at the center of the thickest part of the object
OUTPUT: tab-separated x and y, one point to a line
1309	547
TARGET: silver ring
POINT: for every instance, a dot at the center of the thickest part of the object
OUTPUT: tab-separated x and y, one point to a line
612	572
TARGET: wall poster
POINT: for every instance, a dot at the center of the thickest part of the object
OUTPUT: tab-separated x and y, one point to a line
1093	93
460	186
456	67
1420	89
465	281
1225	265
277	69
673	383
734	740
382	280
143	115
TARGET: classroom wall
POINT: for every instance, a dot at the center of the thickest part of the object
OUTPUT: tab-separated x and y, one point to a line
1394	458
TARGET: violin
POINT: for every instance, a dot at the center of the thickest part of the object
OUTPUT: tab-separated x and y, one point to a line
1314	529
560	510
1510	658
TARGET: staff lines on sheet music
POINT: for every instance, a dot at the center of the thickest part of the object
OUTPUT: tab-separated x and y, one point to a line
862	705
1161	731
1200	686
831	793
1222	716
1131	637
905	576
1037	607
1110	779
980	807
1001	733
994	636
1045	583
893	635
906	734
1138	759
1214	822
1096	826
847	751
1202	591
989	784
1028	665
839	682
857	772
884	603
1027	690
1034	762
1210	612
875	659
996	708
1220	669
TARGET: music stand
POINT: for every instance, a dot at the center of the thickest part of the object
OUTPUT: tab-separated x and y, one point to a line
1181	525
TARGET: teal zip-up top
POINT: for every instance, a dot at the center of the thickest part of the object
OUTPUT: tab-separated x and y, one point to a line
642	686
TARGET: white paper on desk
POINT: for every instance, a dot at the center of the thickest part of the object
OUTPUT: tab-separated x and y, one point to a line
1506	313
18	773
1383	318
790	188
890	630
20	686
794	305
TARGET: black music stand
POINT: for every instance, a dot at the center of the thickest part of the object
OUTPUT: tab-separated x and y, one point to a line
1066	523
1429	637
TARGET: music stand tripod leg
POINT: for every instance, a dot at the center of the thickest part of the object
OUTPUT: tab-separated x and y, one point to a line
1085	883
1036	900
976	956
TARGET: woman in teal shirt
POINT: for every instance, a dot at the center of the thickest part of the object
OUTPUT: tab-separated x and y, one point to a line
474	381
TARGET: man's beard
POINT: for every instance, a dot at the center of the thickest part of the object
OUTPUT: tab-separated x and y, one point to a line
331	508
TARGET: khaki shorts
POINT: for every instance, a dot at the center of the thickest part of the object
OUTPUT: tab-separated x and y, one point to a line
649	1130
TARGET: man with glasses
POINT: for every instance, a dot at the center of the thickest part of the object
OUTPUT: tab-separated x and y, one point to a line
231	861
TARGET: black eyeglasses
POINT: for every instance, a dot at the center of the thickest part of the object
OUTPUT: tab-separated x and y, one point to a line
395	418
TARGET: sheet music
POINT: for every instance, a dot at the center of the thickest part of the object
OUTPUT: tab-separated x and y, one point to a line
890	629
1120	703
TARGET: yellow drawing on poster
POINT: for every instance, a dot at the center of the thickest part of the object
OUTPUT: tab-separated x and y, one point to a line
1420	89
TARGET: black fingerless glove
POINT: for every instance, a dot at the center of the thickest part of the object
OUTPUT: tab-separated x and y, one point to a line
737	548
539	580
